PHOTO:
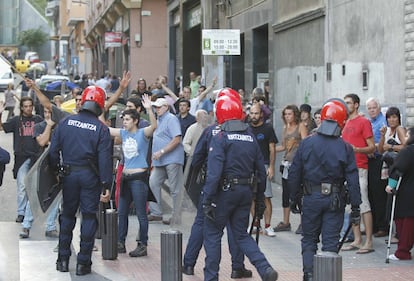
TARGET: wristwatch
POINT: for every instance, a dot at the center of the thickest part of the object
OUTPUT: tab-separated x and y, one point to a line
162	151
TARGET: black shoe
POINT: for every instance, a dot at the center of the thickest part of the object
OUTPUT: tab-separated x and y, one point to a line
270	274
140	251
121	248
188	270
83	269
307	276
20	218
25	233
62	265
241	273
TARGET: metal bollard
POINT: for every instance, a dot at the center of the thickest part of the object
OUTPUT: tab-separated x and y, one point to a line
327	266
171	255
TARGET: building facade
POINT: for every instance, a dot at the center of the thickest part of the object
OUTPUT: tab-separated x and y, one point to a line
308	50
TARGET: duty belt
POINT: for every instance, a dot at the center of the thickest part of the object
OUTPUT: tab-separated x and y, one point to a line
74	168
324	188
237	181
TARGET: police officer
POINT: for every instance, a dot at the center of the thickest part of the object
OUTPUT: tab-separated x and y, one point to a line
228	194
195	241
322	173
81	148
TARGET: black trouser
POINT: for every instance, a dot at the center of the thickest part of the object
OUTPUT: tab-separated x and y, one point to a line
377	194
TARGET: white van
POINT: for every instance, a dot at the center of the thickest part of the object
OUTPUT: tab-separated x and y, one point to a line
6	74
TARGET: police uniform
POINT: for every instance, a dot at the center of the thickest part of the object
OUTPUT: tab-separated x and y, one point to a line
195	241
85	147
229	186
323	173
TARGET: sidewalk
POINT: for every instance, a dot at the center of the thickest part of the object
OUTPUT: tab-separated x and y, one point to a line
33	259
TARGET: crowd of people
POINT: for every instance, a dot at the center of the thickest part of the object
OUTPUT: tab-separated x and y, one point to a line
165	133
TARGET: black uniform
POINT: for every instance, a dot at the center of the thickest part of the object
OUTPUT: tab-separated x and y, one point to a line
85	145
322	164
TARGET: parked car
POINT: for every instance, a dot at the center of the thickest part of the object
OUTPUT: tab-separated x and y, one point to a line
46	79
6	74
32	57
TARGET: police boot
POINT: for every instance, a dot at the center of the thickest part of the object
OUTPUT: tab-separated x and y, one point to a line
83	269
270	274
241	273
62	265
307	276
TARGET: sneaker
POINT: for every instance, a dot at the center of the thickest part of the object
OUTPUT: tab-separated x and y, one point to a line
25	233
121	248
393	257
299	230
52	234
269	232
140	251
20	218
282	227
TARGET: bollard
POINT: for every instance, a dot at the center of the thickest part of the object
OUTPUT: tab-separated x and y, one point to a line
171	255
327	266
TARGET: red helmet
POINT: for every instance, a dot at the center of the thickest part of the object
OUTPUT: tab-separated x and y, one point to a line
93	99
230	93
228	108
335	110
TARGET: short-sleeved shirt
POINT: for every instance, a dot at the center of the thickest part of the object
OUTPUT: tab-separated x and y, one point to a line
168	127
377	123
356	132
265	134
24	143
135	149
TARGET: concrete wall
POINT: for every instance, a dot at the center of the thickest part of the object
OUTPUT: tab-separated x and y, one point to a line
367	34
355	36
298	60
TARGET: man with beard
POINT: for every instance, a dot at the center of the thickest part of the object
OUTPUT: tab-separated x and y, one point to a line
266	137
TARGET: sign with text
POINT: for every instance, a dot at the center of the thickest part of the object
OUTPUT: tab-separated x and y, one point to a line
113	39
219	42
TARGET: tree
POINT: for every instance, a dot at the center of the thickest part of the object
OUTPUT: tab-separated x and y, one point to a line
32	38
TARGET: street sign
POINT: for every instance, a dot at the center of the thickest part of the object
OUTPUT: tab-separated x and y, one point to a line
74	60
219	42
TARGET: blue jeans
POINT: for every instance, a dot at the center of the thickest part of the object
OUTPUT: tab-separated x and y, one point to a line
51	218
21	189
137	191
23	205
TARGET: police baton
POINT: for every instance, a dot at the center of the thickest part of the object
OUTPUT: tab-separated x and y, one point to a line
341	242
255	222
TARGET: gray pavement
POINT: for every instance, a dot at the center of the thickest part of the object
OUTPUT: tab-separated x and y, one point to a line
34	259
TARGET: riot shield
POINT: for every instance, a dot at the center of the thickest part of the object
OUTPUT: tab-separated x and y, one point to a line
42	187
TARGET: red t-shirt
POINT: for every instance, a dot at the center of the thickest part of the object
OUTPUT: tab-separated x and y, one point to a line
356	132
